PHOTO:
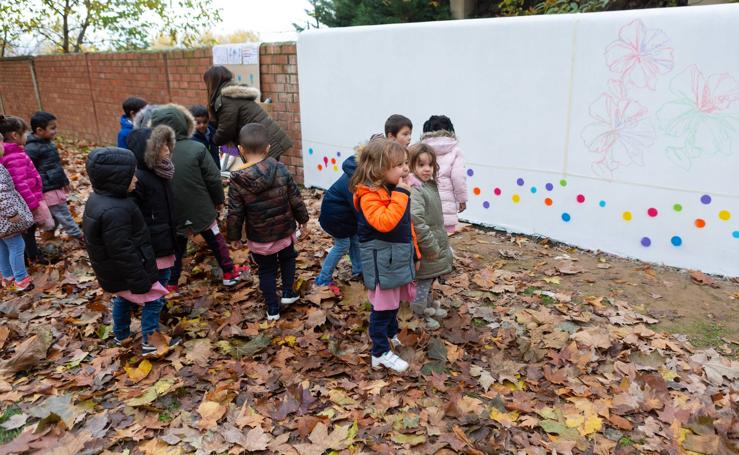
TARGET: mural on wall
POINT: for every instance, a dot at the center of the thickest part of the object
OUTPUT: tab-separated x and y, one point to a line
613	131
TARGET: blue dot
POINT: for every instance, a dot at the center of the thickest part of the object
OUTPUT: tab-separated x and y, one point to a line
486	204
646	241
705	199
470	172
676	240
310	151
566	217
519	182
533	190
338	153
602	203
735	234
549	187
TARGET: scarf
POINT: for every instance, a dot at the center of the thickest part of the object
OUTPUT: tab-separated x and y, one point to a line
164	169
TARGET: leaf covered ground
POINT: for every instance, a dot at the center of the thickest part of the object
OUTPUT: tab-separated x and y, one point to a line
547	349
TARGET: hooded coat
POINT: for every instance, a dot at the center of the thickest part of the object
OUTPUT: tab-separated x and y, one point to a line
428	223
26	179
12	204
237	105
197	183
452	179
126	127
46	159
267	198
153	194
117	238
338	216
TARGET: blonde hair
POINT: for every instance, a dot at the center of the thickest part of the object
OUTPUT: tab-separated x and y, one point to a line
376	158
418	149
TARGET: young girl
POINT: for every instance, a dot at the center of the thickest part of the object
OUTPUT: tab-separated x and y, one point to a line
428	223
26	179
387	242
15	218
438	132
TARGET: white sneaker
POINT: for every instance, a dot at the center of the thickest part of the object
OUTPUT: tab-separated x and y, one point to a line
389	360
432	324
273	317
395	341
439	312
289	300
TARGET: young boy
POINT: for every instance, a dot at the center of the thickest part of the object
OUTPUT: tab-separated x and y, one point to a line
119	246
131	107
204	132
398	128
263	194
45	156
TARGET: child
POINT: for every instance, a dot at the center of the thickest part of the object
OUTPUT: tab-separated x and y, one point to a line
387	242
45	157
119	245
264	195
153	193
438	132
198	194
15	218
26	179
204	132
131	106
428	223
339	219
398	128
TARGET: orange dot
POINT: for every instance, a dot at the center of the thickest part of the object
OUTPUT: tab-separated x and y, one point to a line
320	168
700	223
548	201
476	191
333	160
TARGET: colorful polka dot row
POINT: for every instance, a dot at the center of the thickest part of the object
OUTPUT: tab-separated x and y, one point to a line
334	163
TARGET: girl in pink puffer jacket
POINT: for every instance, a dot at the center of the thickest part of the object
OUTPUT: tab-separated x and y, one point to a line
438	132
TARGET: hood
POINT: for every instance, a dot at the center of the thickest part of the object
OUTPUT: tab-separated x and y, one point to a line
414	181
243	91
349	165
442	142
126	122
110	170
258	177
143	118
176	117
11	147
145	143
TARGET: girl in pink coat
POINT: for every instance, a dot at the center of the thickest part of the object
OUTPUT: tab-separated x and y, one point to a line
438	132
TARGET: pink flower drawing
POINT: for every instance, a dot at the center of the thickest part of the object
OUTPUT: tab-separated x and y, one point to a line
640	55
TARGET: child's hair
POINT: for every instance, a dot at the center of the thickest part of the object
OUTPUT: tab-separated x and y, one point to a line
134	104
199	110
253	138
395	123
438	123
10	124
416	150
41	120
375	159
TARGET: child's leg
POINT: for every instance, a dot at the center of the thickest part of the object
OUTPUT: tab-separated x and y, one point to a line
31	247
150	318
63	216
287	268
16	247
179	251
164	276
379	326
420	304
268	281
121	318
355	255
392	327
332	260
218	246
5	270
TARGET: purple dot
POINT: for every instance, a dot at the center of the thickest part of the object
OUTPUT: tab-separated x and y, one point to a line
486	204
338	153
706	199
549	187
519	182
646	241
470	172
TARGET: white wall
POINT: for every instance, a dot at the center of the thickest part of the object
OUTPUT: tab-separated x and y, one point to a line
637	112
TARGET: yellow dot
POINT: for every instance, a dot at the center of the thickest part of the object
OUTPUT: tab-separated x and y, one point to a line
516	198
626	216
336	168
724	215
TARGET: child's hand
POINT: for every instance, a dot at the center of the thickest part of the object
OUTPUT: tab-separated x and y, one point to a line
462	207
418	265
304	230
14	219
237	244
403	184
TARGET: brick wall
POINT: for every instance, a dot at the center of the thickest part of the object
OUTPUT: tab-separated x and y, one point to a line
85	91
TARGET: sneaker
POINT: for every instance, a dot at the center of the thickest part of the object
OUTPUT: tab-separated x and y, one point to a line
421	310
335	290
24	285
148	350
234	276
439	312
432	324
288	298
172	288
273	317
389	360
395	341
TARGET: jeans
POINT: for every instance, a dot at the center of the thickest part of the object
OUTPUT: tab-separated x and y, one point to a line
31	247
285	260
63	216
341	246
11	258
217	245
382	326
149	314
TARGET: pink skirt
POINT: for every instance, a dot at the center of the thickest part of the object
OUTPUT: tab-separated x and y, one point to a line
389	299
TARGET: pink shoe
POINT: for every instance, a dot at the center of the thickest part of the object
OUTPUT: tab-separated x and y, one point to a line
24	285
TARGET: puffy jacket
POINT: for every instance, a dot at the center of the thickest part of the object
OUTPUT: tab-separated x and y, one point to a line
235	106
452	179
126	128
117	238
46	158
25	177
12	204
428	224
266	196
338	216
197	182
207	140
153	194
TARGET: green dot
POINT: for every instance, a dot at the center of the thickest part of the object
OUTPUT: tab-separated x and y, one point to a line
563	182
677	208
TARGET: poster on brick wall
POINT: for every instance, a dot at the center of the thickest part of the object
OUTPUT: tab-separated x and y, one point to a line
241	58
614	131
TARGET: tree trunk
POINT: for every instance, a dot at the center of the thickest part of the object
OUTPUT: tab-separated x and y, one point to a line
65	28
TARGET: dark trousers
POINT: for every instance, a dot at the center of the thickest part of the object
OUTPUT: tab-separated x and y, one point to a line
285	260
31	247
382	326
217	245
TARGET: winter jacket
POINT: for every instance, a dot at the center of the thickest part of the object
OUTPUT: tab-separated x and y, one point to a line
46	159
387	241
197	183
207	140
153	194
266	197
338	216
116	235
235	106
428	224
452	179
126	128
25	177
12	204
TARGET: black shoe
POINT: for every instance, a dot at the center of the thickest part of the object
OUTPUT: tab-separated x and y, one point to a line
148	350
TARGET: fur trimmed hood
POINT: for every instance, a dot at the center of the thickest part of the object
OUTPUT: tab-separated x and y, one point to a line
146	143
175	116
236	90
440	133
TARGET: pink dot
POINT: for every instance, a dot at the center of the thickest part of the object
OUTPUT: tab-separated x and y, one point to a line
580	198
497	191
652	212
325	160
